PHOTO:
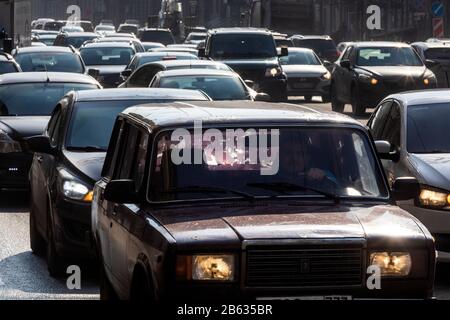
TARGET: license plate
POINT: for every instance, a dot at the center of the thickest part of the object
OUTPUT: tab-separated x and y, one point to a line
319	298
302	85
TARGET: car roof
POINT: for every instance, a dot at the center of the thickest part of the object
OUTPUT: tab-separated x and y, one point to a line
47	36
364	44
233	112
197	72
240	30
419	97
299	49
52	49
174	63
154	29
139	94
38	77
108	45
309	37
81	34
162	54
429	45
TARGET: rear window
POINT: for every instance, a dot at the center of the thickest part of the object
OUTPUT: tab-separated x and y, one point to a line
242	46
77	42
107	56
164	37
438	54
51	61
7	67
318	45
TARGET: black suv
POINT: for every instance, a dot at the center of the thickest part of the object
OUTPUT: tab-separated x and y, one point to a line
163	36
253	54
323	46
221	229
8	64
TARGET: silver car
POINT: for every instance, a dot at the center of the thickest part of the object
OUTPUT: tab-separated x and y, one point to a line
306	74
412	133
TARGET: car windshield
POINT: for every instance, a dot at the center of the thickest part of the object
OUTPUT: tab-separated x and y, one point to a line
242	46
77	42
164	37
428	128
165	56
438	54
196	37
35	99
50	61
105	28
285	162
7	67
107	56
388	56
128	29
48	41
217	87
300	58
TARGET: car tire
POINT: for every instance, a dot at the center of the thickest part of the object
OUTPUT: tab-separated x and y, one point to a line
357	108
55	264
308	98
336	105
326	98
37	242
107	291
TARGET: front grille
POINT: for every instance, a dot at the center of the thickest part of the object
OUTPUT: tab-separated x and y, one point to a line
401	84
303	83
304	268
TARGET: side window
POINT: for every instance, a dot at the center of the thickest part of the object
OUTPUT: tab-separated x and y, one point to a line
114	148
139	165
54	126
347	53
378	121
392	128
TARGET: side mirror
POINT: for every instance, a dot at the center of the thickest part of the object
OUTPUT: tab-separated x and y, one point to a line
264	97
345	64
406	188
384	151
121	191
125	74
250	83
431	63
39	144
201	53
94	73
327	63
284	52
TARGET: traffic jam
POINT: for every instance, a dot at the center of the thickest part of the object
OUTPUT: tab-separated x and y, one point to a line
226	163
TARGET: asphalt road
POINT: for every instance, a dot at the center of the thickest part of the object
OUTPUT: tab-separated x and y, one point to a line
24	275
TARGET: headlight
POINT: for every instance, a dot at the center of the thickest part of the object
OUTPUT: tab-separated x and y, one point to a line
74	189
392	264
368	79
326	76
434	199
7	144
273	72
206	267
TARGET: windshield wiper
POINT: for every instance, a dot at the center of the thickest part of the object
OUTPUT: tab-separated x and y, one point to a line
284	187
87	149
202	189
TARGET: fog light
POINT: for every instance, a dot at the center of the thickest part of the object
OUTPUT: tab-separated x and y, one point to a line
432	198
392	263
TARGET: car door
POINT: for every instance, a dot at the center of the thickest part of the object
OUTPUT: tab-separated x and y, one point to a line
129	220
39	171
388	128
340	74
102	209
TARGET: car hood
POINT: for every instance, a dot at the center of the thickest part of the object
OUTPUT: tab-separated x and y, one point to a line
88	163
277	222
242	64
24	126
304	70
108	69
434	169
396	72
